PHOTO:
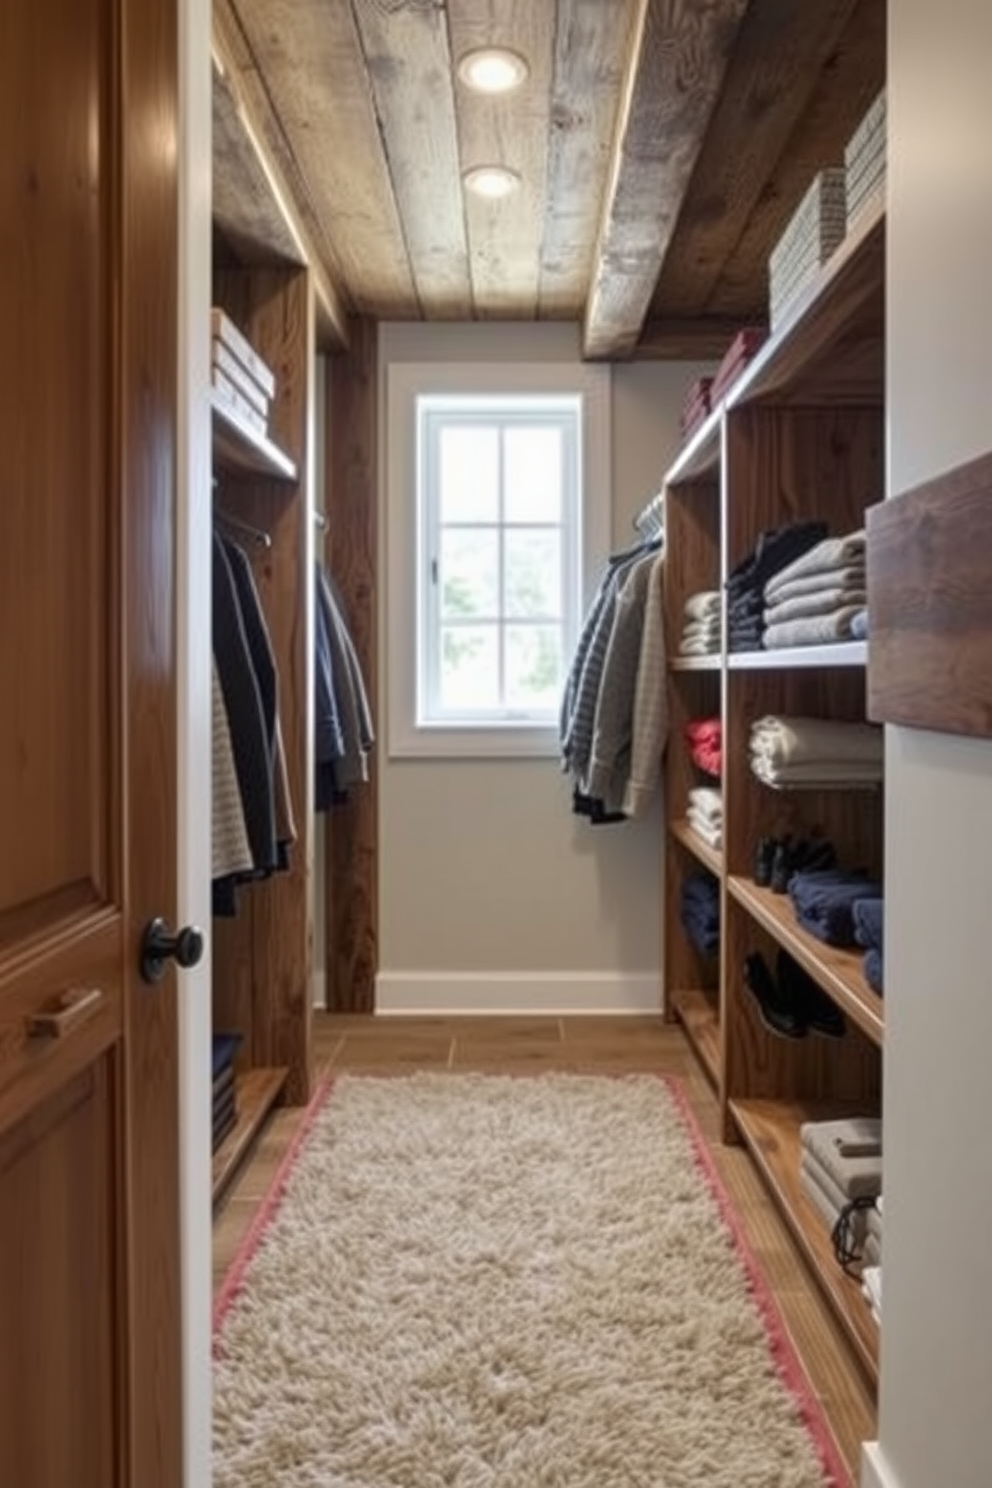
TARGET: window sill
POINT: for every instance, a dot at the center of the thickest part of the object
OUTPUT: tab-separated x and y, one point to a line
439	741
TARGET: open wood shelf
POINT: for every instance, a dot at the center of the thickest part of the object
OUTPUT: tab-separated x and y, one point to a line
696	663
700	455
241	450
844	653
700	1018
837	971
710	857
832	342
256	1092
771	1131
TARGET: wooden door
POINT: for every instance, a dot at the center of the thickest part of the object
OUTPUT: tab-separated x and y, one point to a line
89	1258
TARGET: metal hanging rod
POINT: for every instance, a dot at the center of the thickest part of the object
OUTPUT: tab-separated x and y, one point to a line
257	536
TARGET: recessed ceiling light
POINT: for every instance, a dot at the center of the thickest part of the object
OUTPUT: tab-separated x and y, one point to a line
492	181
492	70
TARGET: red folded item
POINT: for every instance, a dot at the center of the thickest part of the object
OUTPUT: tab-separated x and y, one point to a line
704	737
738	354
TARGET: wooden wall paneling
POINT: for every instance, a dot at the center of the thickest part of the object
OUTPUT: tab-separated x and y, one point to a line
272	937
930	582
692	549
351	546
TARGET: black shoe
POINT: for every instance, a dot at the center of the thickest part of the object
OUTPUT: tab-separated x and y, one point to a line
783	866
813	853
764	856
775	1008
811	1002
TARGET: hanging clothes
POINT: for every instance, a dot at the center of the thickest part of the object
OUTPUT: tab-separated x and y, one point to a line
247	709
344	729
613	715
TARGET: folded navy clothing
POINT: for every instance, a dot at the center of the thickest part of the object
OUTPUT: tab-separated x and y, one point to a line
774	550
700	911
872	968
823	900
867	916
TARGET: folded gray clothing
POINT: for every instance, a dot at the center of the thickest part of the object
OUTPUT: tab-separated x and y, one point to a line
858	1136
831	553
703	605
818	630
859	625
849	576
814	1183
813	774
826	1210
856	1177
871	1253
805	606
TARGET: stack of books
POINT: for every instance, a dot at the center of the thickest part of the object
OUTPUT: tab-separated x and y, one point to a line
816	230
739	354
697	406
243	384
225	1108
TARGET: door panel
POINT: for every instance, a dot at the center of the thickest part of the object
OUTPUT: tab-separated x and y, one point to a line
56	1278
89	1266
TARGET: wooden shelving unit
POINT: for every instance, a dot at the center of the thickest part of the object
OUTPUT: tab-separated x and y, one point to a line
799	436
837	971
698	1013
771	1132
256	1092
240	449
710	857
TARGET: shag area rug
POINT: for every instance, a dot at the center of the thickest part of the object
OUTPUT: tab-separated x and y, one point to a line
470	1281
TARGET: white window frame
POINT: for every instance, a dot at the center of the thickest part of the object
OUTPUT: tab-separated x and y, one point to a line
407	561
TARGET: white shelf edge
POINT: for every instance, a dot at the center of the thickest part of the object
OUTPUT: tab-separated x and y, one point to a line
844	653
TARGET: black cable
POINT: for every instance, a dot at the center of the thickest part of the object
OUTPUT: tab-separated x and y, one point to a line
846	1248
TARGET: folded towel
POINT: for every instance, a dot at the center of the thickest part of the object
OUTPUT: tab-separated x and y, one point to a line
707	801
693	629
851	576
830	553
812	776
710	832
822	899
855	1177
818	630
871	1285
788	739
868	922
826	1210
699	647
859	625
814	1176
871	1253
702	605
875	1221
807	606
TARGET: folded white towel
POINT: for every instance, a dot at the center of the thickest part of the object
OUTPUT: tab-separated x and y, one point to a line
871	1285
704	646
790	739
701	629
831	553
707	801
703	605
710	832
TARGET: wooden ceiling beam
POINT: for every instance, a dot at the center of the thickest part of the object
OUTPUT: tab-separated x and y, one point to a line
781	51
408	60
252	165
677	63
700	338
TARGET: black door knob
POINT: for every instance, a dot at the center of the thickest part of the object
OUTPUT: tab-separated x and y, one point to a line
159	945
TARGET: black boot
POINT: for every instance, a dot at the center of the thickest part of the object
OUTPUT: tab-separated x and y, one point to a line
775	1007
814	1006
764	856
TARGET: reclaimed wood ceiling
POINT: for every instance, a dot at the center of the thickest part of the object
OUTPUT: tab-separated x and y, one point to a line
662	146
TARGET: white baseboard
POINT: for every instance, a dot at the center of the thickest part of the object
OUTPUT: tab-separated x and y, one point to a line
875	1471
535	992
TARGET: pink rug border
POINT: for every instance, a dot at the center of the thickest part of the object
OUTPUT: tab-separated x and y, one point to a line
780	1344
234	1281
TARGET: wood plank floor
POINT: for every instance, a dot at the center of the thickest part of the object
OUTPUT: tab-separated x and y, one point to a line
606	1045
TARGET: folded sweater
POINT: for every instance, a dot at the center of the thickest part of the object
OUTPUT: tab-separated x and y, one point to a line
815	630
789	739
829	554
